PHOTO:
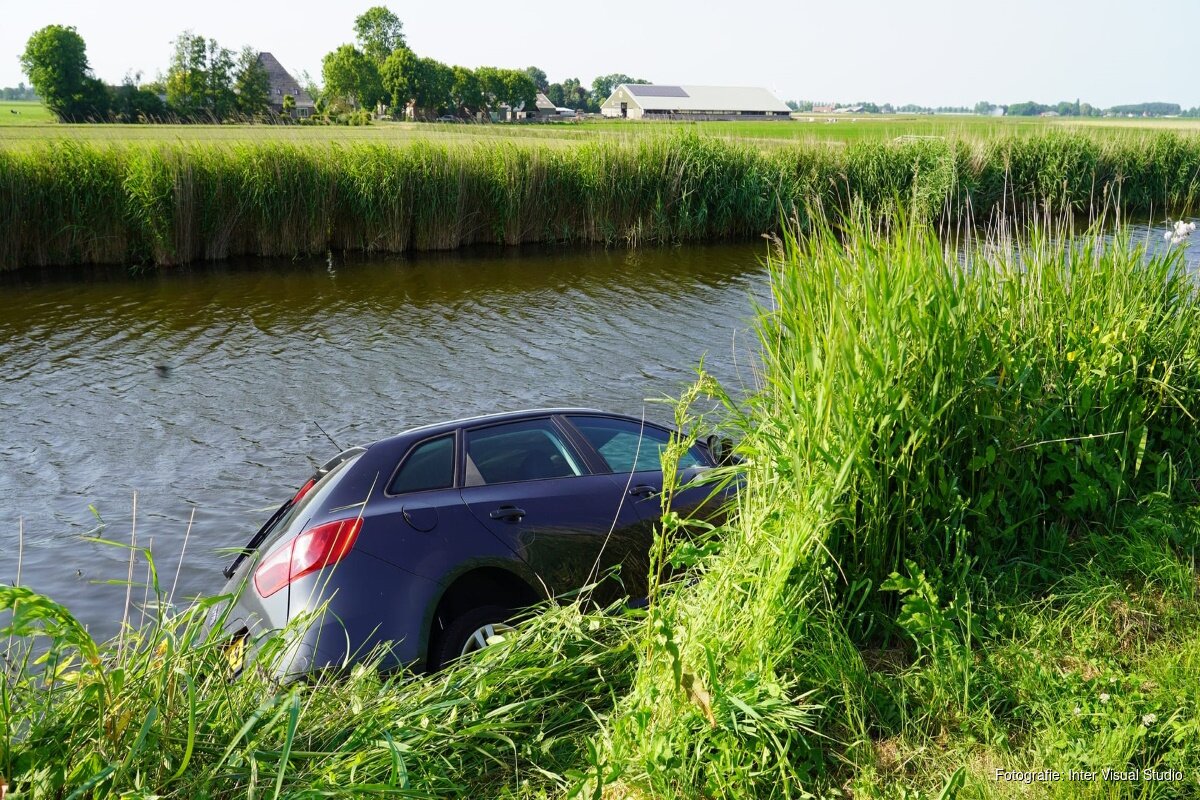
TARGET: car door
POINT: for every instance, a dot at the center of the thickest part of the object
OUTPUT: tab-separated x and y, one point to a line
632	451
420	524
534	490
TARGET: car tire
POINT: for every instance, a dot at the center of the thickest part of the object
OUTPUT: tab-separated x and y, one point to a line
465	632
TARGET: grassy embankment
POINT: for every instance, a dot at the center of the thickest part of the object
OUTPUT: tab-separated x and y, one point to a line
966	541
70	203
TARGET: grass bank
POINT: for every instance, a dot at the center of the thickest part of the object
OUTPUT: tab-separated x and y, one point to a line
63	202
966	542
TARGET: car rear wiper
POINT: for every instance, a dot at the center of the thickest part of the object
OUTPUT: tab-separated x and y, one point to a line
258	538
266	529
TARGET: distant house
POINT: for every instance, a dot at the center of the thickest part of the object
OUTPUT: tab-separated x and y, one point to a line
282	83
543	109
823	109
653	101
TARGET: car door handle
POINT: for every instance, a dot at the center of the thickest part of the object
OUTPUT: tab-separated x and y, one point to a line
510	513
644	490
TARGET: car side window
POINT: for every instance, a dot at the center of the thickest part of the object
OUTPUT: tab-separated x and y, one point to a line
629	446
518	451
429	465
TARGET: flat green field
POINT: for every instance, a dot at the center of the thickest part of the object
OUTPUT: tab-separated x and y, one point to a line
33	123
25	113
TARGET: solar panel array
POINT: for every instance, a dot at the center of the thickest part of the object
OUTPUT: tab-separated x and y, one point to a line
647	90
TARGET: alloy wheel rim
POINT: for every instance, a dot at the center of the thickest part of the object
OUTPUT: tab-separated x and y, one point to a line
481	637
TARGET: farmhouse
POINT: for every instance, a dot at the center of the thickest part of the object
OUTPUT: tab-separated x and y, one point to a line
282	83
652	101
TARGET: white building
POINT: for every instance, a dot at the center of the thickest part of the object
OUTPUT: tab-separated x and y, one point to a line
653	101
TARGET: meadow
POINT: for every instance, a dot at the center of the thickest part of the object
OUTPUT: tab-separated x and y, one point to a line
964	547
14	113
70	202
35	124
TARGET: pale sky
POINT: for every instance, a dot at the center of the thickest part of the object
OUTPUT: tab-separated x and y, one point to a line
929	52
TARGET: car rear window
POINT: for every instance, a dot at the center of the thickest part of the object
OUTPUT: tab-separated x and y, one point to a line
630	446
429	465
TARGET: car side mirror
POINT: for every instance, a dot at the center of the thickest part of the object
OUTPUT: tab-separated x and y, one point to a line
721	449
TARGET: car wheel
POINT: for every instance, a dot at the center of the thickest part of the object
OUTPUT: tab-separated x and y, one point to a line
468	633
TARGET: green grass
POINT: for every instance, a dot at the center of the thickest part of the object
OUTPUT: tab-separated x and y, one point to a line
969	510
966	540
33	116
67	202
832	129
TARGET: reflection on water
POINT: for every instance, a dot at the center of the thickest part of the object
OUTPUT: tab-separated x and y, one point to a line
202	389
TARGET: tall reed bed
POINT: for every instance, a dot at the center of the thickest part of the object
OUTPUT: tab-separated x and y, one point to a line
954	471
64	202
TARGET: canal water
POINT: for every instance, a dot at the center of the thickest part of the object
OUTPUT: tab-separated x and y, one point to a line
202	389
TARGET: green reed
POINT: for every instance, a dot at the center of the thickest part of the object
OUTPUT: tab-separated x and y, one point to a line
952	470
65	202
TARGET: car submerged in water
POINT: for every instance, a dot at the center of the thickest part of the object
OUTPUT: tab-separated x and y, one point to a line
429	542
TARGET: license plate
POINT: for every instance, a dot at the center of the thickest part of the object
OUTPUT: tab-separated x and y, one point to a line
235	654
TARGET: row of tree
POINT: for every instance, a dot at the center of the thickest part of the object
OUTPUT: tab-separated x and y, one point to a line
868	107
205	82
570	93
18	92
1027	109
381	72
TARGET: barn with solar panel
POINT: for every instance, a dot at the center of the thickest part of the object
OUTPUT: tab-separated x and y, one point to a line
655	101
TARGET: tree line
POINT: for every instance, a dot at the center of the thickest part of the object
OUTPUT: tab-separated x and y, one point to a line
1024	109
380	72
205	82
376	75
18	92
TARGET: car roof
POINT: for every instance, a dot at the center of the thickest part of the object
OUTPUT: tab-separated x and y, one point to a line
433	429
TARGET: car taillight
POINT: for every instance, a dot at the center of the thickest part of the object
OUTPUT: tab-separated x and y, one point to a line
310	551
304	490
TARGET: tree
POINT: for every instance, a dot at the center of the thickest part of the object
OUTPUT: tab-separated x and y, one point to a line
575	94
1026	109
379	32
538	77
134	103
310	86
983	108
21	92
252	84
397	77
556	95
603	86
55	59
466	91
201	80
220	99
187	77
288	105
431	86
351	75
509	87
